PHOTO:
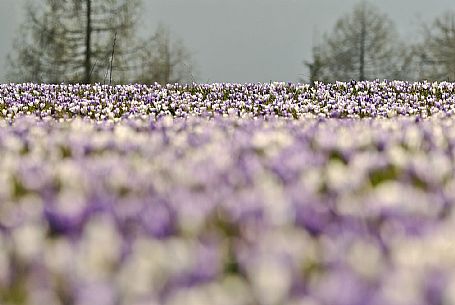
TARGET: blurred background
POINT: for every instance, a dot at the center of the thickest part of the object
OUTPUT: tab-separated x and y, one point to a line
122	41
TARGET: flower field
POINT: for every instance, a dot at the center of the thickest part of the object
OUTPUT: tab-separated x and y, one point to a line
254	194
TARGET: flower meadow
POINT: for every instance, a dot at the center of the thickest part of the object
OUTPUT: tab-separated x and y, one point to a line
253	194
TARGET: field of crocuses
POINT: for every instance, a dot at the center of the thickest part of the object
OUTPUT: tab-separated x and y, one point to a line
228	194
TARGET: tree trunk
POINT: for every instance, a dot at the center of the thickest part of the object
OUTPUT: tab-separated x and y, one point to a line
88	51
167	60
362	45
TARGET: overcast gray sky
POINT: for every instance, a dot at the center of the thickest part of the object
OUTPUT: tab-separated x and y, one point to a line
247	40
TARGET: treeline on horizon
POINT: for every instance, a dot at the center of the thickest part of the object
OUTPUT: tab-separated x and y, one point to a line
87	41
365	45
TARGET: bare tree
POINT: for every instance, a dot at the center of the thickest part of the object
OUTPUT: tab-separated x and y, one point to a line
87	41
166	61
363	45
436	53
316	67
